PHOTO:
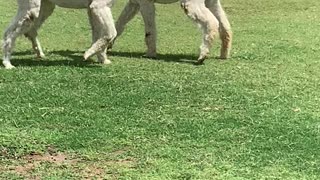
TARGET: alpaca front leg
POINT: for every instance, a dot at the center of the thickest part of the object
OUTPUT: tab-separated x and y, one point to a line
102	56
10	36
8	44
197	11
102	20
224	27
23	21
147	9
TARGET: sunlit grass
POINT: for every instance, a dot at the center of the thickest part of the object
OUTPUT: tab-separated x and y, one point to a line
255	116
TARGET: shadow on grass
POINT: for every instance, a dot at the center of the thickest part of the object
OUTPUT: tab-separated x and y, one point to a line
75	58
69	58
179	58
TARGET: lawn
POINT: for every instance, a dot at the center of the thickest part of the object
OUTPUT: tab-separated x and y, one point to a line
255	116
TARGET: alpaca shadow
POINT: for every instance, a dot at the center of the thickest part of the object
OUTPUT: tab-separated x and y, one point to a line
70	58
178	58
75	58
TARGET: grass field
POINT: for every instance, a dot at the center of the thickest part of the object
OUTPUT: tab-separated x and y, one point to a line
255	116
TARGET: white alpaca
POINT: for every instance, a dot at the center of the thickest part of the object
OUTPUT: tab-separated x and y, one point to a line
208	14
32	13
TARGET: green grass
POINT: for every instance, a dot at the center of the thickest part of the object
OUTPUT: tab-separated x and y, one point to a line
255	116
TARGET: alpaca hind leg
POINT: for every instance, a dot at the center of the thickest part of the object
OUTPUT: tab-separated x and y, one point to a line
101	16
148	13
224	27
102	57
23	21
126	15
46	10
36	46
207	22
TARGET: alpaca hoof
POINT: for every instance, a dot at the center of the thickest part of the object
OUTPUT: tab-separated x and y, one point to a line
224	57
150	56
8	66
87	55
106	62
225	54
199	62
41	56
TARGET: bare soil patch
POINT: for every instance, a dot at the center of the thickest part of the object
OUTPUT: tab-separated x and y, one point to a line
28	166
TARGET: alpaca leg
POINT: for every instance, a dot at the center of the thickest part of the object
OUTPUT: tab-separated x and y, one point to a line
102	56
23	21
147	9
126	15
36	46
101	16
197	11
224	27
46	10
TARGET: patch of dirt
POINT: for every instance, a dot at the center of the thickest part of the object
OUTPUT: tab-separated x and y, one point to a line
4	152
58	158
106	166
92	172
34	160
24	169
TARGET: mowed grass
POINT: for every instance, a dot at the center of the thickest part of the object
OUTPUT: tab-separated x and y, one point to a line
255	116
